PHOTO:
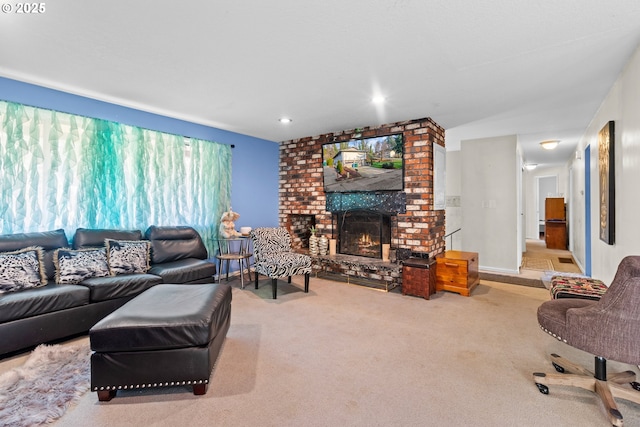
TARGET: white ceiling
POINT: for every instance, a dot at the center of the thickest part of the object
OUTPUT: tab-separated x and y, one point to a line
538	69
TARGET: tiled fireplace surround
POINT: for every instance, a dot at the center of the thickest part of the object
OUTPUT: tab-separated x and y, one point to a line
303	202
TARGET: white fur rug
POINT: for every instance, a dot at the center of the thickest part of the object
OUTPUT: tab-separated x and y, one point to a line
40	391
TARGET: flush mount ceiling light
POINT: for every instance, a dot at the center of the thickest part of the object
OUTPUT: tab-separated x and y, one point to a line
530	166
378	99
550	144
285	120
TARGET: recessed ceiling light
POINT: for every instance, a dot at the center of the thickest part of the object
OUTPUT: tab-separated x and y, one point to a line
550	144
285	120
378	99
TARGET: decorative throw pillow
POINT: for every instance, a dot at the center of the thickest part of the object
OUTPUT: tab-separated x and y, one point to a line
21	269
128	256
73	266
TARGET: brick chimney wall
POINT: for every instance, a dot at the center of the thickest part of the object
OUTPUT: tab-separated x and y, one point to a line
303	200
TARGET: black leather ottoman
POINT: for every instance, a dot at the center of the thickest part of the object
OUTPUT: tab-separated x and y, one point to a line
170	335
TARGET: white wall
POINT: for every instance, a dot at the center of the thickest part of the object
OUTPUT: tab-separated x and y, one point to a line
622	105
489	170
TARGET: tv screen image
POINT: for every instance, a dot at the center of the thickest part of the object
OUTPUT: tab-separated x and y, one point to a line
367	164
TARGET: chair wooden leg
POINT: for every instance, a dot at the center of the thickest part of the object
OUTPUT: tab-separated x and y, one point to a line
627	393
306	282
289	279
571	380
274	283
622	377
607	387
568	366
610	407
256	279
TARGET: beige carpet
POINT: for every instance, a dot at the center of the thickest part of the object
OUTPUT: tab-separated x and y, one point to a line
537	250
345	355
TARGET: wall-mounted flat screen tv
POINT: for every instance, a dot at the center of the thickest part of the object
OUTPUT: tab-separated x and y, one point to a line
367	164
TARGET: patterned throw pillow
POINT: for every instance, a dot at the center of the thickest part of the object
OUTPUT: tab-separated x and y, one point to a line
128	256
73	266
21	269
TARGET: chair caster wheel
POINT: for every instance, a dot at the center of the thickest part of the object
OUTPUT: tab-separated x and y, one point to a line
543	388
635	385
558	367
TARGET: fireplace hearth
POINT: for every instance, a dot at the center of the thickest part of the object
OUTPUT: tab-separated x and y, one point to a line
362	233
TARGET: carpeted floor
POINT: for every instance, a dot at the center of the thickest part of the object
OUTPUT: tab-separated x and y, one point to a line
537	255
352	356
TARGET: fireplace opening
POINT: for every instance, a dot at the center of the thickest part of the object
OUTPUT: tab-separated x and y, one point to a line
363	232
299	228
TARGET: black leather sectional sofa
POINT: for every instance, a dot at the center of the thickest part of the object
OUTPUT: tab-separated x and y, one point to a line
38	315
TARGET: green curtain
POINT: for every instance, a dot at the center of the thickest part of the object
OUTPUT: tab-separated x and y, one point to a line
63	171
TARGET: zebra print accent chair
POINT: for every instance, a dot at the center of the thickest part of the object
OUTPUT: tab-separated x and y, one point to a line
275	259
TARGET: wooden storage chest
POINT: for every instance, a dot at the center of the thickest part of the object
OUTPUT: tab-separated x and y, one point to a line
419	277
457	271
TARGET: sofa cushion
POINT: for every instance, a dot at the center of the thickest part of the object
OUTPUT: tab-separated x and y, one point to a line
94	238
75	265
124	285
175	243
46	299
21	269
128	257
49	241
165	317
185	271
284	264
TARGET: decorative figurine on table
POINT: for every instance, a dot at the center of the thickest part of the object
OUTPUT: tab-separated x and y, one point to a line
227	224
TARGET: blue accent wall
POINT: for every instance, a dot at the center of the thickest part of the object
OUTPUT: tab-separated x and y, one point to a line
255	161
587	210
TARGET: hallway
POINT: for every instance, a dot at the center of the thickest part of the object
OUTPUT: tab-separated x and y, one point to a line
558	260
537	262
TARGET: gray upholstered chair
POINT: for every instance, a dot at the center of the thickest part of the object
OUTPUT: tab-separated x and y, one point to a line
608	329
275	259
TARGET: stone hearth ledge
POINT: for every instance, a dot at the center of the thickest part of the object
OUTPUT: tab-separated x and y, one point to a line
370	272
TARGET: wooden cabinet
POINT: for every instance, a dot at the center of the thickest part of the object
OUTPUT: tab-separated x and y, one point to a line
457	271
554	209
555	224
555	234
419	277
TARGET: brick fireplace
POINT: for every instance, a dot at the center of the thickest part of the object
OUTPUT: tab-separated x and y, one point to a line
414	225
